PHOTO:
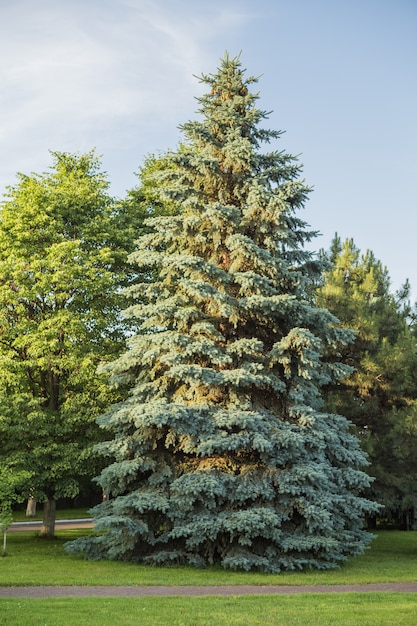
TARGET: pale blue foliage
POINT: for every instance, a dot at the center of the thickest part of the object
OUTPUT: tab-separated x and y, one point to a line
221	452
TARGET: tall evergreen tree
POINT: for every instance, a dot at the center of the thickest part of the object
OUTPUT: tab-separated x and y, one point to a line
222	453
380	395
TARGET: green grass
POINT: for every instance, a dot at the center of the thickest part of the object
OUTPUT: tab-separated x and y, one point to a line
376	609
34	561
20	516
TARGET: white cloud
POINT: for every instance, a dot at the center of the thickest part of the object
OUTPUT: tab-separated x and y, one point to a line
79	74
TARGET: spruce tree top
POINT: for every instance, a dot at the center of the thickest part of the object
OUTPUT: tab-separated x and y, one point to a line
221	166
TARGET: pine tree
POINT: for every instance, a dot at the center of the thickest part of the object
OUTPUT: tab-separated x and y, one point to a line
380	395
222	453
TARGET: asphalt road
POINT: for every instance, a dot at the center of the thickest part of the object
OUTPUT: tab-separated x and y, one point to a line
61	524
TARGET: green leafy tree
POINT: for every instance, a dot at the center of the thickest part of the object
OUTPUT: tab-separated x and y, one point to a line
10	484
221	453
63	249
380	396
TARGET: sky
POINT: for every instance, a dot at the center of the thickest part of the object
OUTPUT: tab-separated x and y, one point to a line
120	76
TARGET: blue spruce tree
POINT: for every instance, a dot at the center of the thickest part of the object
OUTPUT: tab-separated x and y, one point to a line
221	453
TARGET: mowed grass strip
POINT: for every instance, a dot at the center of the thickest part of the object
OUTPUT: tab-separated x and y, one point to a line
374	609
20	516
33	561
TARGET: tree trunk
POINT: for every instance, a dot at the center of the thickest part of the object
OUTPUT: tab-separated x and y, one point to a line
48	523
31	507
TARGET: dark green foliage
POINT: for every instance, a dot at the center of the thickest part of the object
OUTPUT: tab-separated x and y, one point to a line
380	397
221	453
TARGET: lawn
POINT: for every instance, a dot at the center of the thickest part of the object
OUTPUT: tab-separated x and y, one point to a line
376	609
33	561
20	516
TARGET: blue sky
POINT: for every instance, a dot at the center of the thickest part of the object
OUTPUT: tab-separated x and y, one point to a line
339	76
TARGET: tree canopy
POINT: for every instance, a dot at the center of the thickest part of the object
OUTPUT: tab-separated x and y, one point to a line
63	249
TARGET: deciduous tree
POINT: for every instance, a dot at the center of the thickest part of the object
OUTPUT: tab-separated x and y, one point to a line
63	248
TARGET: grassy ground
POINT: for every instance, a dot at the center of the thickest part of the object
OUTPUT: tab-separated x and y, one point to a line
20	516
376	609
33	561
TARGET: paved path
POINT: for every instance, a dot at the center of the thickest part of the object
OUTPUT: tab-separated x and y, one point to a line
231	590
